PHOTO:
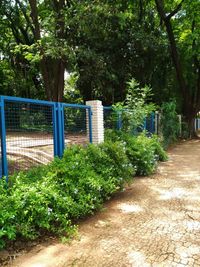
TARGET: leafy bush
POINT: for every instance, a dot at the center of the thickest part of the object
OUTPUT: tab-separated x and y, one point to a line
169	123
136	107
51	198
142	151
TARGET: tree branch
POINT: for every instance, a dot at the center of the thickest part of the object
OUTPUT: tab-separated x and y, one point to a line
34	16
29	24
174	50
160	8
176	10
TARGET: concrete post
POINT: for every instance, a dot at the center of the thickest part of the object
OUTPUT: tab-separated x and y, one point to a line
97	121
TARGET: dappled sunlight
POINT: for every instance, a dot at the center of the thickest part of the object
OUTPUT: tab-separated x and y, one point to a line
170	194
178	193
46	257
192	208
129	208
137	258
195	175
192	225
185	252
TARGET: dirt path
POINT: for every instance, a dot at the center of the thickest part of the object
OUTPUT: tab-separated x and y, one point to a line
155	222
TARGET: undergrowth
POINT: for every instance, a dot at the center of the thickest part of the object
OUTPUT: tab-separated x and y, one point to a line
51	198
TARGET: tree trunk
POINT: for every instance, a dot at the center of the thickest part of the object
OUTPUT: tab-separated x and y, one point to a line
52	69
190	106
53	76
190	120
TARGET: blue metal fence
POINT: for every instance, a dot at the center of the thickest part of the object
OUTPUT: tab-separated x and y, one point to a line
149	124
32	132
77	124
115	119
197	124
110	118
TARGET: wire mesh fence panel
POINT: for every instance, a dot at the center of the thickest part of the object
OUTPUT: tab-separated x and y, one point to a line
150	124
29	135
76	126
110	118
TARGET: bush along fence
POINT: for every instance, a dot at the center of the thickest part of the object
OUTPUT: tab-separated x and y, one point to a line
33	132
52	197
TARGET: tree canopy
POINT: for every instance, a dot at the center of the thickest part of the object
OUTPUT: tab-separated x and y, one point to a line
105	43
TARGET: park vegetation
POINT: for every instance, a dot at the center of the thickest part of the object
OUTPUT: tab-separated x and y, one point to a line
102	44
50	199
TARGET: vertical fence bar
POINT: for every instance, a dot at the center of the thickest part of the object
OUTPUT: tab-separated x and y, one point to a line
119	120
60	129
152	122
90	123
55	131
3	139
145	124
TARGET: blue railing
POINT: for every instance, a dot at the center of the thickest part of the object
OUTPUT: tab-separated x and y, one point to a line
35	131
197	124
113	119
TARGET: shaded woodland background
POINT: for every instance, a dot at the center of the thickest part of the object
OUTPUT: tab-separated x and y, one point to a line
78	50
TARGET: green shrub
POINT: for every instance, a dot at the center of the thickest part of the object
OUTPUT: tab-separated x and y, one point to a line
142	151
51	198
169	123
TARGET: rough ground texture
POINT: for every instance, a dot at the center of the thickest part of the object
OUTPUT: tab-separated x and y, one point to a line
154	222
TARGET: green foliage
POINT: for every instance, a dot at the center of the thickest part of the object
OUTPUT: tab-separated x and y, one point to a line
169	123
105	44
51	198
71	92
136	106
142	151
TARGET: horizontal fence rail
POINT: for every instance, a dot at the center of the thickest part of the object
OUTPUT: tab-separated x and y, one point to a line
33	132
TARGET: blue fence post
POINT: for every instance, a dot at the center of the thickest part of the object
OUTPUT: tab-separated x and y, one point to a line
119	120
3	139
55	130
152	122
145	124
90	123
60	129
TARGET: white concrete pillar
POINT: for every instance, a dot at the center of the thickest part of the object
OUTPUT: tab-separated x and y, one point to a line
97	121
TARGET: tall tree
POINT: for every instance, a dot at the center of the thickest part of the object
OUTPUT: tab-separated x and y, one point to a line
182	26
52	68
38	29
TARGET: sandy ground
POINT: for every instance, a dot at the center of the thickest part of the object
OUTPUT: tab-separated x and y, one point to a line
26	150
154	222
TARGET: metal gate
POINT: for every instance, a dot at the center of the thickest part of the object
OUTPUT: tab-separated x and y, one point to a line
34	131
